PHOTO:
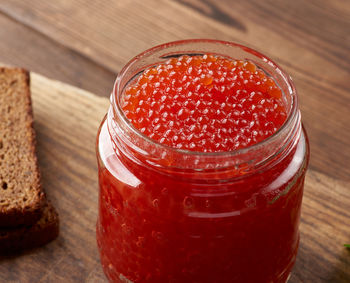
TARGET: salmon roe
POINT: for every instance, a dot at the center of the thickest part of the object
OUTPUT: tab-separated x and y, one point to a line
205	103
168	215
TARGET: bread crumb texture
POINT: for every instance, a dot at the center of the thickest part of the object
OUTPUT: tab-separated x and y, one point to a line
21	195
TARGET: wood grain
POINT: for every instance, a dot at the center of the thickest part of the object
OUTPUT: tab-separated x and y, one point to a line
66	121
310	39
28	48
69	173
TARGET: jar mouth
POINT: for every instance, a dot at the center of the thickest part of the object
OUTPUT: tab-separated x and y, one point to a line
193	47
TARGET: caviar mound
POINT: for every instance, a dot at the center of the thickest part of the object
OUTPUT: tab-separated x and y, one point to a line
205	103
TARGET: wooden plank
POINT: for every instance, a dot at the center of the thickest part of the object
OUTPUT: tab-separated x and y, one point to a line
319	27
116	31
66	121
24	47
309	39
324	230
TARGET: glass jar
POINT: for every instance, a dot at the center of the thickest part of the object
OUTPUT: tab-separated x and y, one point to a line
172	215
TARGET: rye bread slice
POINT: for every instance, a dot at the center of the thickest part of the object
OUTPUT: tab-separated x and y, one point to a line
21	196
26	237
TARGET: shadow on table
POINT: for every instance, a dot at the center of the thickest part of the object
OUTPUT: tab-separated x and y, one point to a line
342	270
311	267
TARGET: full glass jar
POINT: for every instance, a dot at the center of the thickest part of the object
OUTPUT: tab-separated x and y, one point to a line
172	215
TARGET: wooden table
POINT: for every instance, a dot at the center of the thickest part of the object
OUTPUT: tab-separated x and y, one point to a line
85	43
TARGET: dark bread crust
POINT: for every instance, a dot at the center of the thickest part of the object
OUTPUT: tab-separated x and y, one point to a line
22	200
22	216
26	237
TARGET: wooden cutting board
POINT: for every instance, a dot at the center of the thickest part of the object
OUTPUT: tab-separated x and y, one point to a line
66	122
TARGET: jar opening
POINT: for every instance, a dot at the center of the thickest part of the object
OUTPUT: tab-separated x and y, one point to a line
132	142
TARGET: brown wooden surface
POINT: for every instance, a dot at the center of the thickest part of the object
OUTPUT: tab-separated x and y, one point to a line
85	43
66	121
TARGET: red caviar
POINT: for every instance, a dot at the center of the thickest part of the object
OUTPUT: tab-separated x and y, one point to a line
227	210
205	103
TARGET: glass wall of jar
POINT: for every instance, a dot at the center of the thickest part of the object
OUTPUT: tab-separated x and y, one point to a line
172	215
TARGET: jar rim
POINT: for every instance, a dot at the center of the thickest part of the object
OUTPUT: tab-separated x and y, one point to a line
292	114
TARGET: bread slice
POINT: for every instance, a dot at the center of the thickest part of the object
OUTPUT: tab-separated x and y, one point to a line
21	196
43	231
